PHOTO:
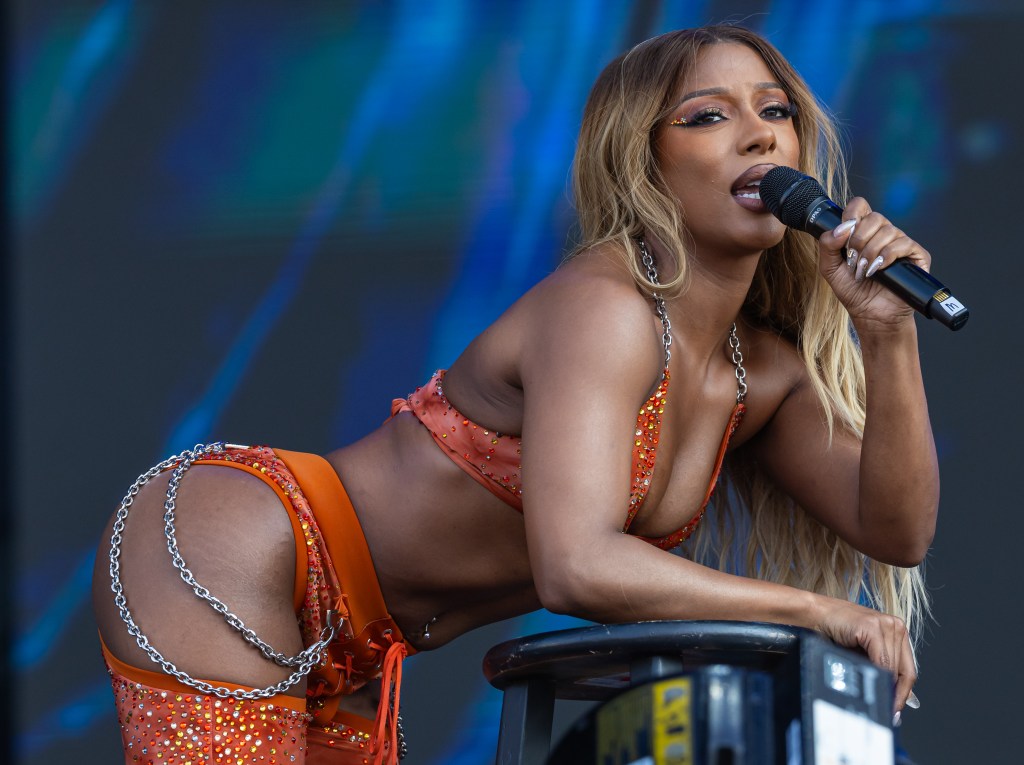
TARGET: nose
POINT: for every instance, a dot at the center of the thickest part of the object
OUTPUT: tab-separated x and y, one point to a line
757	136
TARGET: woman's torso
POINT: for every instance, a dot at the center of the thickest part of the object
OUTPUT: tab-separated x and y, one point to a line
449	550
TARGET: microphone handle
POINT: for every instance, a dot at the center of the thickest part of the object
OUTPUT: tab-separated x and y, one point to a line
915	286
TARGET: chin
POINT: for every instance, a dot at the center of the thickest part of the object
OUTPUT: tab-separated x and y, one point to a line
774	241
766	238
746	237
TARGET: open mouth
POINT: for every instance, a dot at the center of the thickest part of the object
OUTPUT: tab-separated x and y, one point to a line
750	191
747	188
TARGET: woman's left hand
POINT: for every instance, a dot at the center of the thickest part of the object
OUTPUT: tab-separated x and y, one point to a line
872	243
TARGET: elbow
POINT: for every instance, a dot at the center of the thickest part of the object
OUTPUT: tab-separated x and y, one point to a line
598	579
919	540
559	591
917	551
901	534
908	557
570	585
908	549
558	601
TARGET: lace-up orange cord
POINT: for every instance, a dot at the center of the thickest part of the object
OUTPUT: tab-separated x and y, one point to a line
348	670
384	742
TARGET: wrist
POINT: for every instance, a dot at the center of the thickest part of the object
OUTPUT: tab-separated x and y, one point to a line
883	345
887	329
808	610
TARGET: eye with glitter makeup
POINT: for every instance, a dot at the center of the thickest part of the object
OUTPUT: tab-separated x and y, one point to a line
708	116
713	115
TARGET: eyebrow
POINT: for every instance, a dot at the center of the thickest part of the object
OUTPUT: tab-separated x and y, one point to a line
720	91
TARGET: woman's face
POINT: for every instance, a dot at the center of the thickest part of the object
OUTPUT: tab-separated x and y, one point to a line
732	124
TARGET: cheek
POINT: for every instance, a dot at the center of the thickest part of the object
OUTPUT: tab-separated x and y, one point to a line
692	178
790	144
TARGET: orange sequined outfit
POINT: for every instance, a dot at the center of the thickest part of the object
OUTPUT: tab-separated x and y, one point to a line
165	721
494	459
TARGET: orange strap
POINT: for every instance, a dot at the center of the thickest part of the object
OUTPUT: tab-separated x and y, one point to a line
341	533
164	682
384	743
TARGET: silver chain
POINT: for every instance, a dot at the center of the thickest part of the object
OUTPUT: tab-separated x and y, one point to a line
737	361
666	337
659	301
306	661
403	747
189	578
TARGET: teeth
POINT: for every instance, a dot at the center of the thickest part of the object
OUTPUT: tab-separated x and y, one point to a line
755	183
754	195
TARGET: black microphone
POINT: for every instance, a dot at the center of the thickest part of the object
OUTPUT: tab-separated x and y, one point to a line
800	202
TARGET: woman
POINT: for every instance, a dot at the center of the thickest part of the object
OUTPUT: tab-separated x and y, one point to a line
686	302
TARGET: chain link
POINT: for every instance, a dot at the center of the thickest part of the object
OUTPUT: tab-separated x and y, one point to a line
659	301
189	578
403	747
306	661
666	337
737	361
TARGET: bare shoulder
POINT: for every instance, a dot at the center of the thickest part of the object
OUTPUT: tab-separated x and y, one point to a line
598	272
591	309
586	320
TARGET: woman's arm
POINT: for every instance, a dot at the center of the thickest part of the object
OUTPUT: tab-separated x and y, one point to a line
899	471
593	355
880	494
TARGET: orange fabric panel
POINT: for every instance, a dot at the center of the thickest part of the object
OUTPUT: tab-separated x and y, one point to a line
161	727
341	532
492	459
164	682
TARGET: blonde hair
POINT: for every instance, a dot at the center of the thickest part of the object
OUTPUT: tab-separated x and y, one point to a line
620	194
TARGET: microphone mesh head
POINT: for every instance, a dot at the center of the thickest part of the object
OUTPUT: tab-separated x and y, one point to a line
788	194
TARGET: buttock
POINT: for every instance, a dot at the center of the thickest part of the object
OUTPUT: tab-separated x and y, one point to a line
334	580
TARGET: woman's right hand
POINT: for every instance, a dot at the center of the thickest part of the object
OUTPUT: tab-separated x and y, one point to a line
882	637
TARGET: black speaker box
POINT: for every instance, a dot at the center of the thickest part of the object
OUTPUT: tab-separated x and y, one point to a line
821	705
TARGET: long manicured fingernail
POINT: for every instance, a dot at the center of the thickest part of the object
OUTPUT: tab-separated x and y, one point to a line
851	258
844	228
913	702
861	265
896	720
875	265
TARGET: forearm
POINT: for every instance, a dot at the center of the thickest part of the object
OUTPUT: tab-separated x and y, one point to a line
622	578
615	578
899	477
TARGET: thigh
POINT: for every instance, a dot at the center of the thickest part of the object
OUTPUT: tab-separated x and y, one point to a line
236	537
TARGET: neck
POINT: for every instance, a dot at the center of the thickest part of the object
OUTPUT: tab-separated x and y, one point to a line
718	285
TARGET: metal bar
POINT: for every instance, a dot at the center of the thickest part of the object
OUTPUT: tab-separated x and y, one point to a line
526	712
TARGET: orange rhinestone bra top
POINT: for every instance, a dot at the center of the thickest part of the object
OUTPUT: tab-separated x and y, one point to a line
495	459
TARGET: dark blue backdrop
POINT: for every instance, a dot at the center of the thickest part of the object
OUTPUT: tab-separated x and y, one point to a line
260	221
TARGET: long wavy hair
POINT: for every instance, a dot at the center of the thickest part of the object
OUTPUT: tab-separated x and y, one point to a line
621	194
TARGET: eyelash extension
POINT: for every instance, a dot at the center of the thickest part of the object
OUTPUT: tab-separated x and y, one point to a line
787	112
710	111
